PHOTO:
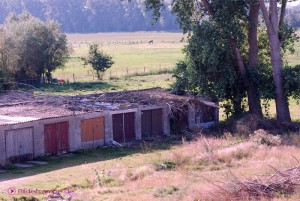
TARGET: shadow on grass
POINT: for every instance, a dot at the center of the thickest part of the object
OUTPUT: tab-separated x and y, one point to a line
79	158
77	87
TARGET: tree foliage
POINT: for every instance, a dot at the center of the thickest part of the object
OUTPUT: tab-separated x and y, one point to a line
31	48
210	69
99	60
236	23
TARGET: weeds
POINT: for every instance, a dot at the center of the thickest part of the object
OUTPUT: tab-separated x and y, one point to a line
104	179
163	192
26	199
146	147
151	72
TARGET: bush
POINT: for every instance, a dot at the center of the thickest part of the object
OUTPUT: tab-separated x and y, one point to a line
4	81
262	137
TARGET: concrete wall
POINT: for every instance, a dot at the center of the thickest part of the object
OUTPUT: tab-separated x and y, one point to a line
191	116
75	129
38	133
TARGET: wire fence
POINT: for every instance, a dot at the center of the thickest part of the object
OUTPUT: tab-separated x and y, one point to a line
80	44
90	75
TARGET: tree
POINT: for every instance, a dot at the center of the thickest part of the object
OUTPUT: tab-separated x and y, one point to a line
210	69
31	48
229	17
99	60
274	23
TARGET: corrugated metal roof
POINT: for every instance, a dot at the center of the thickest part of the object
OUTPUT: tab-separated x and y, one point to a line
38	119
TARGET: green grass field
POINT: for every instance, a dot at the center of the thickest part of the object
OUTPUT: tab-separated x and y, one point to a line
131	52
293	59
134	55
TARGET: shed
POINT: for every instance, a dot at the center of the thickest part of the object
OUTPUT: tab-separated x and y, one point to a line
32	126
28	131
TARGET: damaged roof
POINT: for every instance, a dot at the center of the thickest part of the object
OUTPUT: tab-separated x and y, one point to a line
17	106
131	99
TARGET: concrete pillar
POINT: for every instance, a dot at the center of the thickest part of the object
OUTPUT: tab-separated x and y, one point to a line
2	146
217	113
191	116
39	139
166	120
108	128
77	132
138	124
74	133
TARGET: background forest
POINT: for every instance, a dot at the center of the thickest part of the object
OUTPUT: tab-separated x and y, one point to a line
85	16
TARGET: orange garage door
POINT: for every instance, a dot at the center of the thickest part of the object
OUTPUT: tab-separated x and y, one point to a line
92	129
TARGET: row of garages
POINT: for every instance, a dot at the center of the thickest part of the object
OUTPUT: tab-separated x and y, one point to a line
54	136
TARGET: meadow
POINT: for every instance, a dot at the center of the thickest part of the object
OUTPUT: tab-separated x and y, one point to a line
138	64
131	53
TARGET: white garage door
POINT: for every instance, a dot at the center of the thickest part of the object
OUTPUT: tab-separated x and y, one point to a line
19	144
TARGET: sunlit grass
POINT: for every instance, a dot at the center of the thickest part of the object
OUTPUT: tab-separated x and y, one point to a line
129	57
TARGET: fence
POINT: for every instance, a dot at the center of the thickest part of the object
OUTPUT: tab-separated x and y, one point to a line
133	42
90	75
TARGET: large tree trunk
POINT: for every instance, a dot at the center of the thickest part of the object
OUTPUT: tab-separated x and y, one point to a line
282	107
253	91
251	87
271	20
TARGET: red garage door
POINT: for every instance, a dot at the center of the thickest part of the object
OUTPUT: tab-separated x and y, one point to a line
56	138
123	127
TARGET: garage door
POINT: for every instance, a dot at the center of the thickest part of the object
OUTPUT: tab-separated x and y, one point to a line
92	129
19	144
56	138
123	127
152	123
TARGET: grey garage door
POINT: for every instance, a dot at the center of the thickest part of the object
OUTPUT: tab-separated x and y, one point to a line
19	144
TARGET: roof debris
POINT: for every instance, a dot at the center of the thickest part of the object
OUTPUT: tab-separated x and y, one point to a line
17	104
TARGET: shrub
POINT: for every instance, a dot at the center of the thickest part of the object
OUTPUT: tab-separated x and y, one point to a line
262	137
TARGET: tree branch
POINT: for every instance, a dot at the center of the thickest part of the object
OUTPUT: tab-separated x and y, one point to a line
282	13
265	14
207	6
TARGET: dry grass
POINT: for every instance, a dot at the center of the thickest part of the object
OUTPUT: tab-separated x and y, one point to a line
194	170
198	166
